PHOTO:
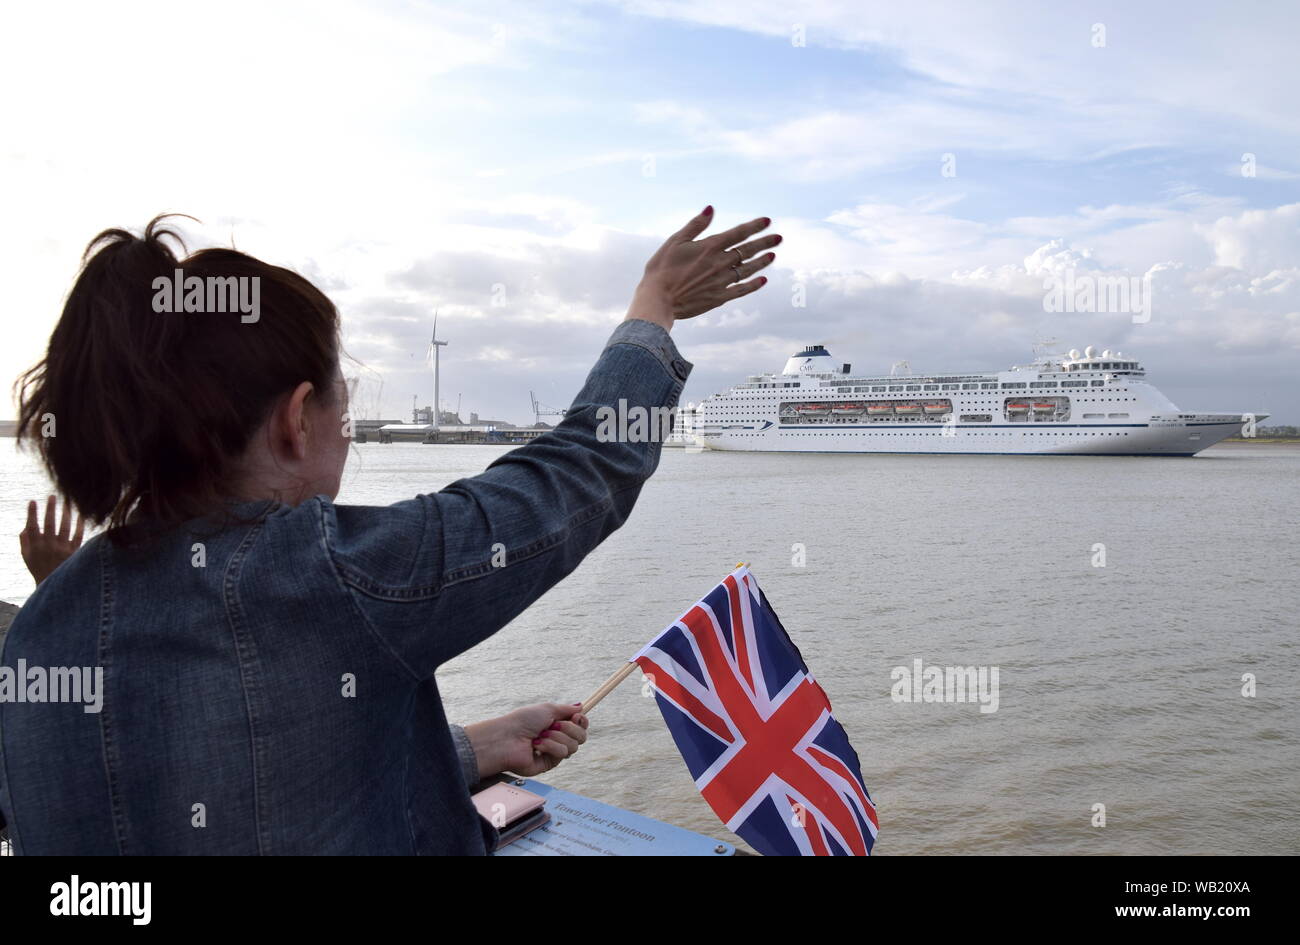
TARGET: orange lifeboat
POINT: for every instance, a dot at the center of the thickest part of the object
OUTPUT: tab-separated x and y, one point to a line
813	410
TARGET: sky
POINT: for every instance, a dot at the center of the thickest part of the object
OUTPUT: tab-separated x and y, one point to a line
512	166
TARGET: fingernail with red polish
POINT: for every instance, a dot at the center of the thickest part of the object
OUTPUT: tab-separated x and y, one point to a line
763	280
779	238
708	211
766	221
537	741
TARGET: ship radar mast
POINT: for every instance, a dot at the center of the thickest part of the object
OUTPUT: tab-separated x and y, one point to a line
1046	352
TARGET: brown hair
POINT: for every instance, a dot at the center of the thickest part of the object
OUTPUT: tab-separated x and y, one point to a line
151	408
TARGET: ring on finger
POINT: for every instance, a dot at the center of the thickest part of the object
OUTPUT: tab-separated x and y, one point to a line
737	272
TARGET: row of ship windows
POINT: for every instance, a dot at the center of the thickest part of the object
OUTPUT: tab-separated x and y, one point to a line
749	415
906	388
1017	385
1010	385
1017	433
965	418
984	403
860	390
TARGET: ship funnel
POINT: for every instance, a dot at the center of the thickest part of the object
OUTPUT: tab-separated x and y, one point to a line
814	359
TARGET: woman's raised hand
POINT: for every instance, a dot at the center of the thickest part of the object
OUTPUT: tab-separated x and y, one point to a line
687	277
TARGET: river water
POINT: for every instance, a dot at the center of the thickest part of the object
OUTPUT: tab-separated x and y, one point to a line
1121	600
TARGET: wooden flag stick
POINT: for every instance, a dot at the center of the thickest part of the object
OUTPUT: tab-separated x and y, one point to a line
610	684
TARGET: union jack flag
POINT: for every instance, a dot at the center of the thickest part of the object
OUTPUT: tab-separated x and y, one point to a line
755	729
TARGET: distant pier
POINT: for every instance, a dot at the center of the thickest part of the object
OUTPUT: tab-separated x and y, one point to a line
393	431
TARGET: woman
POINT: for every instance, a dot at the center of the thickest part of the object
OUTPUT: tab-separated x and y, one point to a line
266	658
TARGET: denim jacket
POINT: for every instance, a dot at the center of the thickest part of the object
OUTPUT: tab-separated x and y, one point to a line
273	691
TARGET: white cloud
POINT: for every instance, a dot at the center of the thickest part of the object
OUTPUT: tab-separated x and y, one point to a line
1256	239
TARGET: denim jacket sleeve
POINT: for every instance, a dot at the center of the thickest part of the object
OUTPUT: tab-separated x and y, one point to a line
434	575
465	753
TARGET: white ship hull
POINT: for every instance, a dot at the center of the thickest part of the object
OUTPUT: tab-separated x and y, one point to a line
1165	437
1079	405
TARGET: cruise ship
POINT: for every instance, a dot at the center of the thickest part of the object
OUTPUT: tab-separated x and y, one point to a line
1083	403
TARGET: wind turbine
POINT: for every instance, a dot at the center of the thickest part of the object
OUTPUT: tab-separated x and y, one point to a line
432	353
